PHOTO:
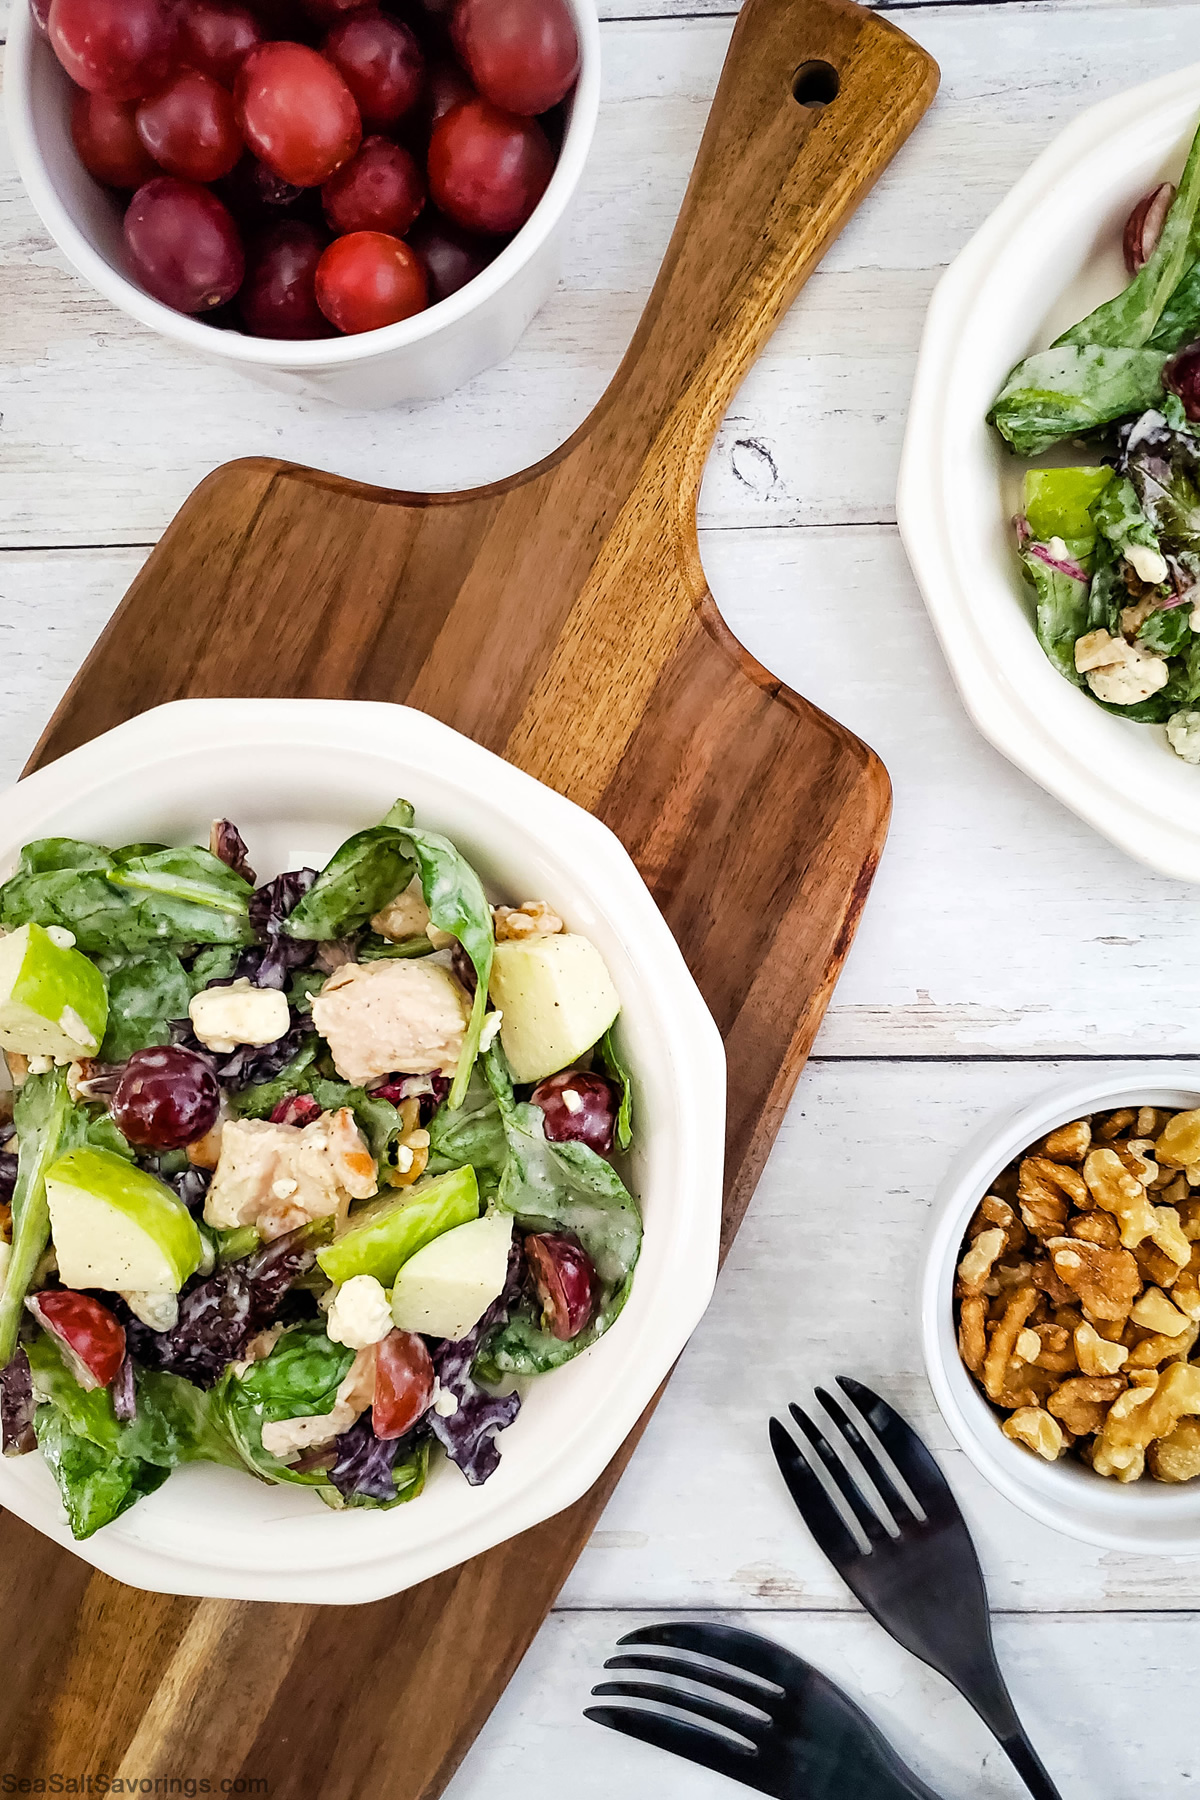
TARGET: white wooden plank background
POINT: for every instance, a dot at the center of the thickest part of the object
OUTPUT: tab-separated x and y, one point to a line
1001	933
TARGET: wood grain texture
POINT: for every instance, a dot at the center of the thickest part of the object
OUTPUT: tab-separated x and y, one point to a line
561	618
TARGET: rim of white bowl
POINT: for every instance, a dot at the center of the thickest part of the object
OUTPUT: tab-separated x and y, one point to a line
317	353
582	1456
1068	1497
1004	715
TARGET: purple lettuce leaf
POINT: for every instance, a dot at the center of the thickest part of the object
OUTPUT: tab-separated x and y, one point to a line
270	963
365	1462
468	1434
249	1064
221	1313
124	1392
227	842
16	1406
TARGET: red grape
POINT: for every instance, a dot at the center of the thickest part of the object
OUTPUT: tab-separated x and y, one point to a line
216	36
451	256
1143	227
278	300
522	55
296	113
1182	376
122	48
381	63
41	15
579	1109
369	279
166	1097
91	1336
256	194
190	128
488	169
379	189
105	134
563	1275
446	87
403	1384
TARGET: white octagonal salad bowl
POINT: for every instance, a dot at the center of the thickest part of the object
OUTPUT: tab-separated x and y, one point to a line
1049	253
298	776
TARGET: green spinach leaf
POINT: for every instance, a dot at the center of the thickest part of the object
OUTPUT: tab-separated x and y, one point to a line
144	994
616	1071
95	1485
1072	389
300	1378
46	1123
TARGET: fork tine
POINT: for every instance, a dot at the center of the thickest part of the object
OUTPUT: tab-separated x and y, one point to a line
862	1509
830	1530
743	1649
730	1717
890	1494
677	1735
752	1692
906	1450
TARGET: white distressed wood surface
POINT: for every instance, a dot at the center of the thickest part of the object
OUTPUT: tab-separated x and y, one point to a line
1001	933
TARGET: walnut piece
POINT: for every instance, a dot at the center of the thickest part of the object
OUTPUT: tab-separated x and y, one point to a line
976	1265
1037	1430
1070	1143
1082	1403
1154	1312
1176	1457
533	918
1106	1281
1120	1193
1178	1144
1140	1415
1096	1355
972	1336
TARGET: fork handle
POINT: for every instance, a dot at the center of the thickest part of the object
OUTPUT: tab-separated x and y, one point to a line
1028	1764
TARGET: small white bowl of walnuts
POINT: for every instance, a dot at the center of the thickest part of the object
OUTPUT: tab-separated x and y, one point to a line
1061	1312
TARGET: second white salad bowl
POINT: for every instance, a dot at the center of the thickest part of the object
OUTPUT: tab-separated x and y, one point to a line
298	776
1049	253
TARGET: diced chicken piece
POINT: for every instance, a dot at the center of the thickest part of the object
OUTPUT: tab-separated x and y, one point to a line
404	917
288	1438
224	1017
391	1017
277	1177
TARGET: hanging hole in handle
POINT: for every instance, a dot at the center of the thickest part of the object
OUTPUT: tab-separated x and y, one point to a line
815	84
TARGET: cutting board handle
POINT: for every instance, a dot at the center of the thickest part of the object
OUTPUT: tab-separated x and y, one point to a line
815	98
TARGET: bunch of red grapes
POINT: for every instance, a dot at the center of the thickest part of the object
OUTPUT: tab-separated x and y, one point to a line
300	168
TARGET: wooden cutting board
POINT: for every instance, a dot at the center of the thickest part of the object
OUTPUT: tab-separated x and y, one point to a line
561	618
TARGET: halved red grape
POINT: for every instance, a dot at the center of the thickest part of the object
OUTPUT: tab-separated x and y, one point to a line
92	1337
1143	227
105	135
564	1276
297	1109
183	245
522	55
380	189
370	279
278	300
381	63
216	36
296	113
488	169
166	1097
403	1384
190	128
122	48
452	257
579	1108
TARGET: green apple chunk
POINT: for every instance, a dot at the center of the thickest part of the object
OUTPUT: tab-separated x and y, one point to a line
385	1232
446	1288
114	1226
557	999
53	1001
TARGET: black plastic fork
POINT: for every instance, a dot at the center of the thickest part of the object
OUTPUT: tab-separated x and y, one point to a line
798	1736
918	1575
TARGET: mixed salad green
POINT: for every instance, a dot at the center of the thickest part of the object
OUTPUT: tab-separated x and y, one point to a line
295	1176
1111	549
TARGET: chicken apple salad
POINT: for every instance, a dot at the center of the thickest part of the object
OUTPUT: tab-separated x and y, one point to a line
1112	550
299	1176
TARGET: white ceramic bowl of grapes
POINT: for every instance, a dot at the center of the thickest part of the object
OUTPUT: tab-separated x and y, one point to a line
360	1150
338	197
